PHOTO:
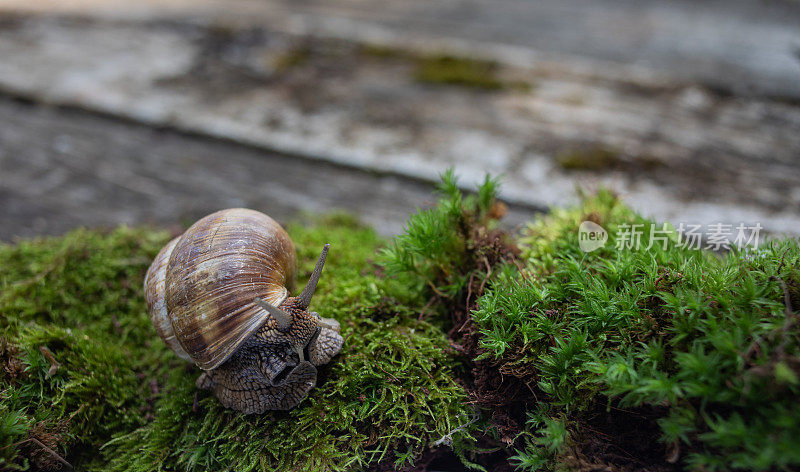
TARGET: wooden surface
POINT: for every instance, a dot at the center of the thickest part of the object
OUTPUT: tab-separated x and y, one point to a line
64	168
678	147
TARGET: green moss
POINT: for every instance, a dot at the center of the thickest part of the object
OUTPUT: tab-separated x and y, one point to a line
377	398
440	69
435	254
699	345
598	158
447	69
293	57
593	158
78	300
125	402
379	51
463	71
655	351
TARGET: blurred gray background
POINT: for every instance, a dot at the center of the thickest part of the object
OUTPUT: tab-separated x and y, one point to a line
158	112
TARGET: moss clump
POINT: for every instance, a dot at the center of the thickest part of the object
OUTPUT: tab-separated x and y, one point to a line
447	69
465	72
380	51
599	158
592	158
120	400
657	356
437	252
669	355
294	57
462	71
439	69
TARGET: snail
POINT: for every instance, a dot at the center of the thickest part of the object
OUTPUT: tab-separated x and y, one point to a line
218	295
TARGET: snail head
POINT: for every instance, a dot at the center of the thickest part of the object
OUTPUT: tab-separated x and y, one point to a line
299	327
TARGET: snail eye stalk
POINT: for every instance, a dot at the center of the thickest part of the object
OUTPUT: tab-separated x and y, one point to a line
283	318
308	292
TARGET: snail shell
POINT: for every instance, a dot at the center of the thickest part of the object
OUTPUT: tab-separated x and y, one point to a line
200	289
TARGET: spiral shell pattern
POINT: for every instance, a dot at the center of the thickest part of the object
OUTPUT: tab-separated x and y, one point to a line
204	282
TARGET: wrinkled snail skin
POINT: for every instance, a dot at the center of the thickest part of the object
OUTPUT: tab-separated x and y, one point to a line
218	296
267	374
255	379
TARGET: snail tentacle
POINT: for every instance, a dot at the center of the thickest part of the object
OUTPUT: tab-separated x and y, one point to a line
308	292
283	318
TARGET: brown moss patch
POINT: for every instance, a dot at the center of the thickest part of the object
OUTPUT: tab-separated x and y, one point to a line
621	440
10	363
43	443
598	157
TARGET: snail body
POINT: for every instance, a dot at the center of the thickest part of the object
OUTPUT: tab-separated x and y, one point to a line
219	296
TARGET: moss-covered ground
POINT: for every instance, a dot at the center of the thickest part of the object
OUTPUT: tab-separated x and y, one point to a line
463	344
84	374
